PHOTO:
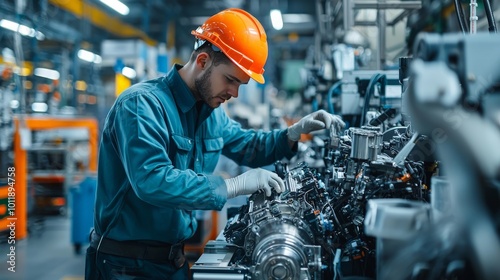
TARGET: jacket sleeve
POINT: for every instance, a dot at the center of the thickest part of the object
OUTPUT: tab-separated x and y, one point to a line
142	142
254	148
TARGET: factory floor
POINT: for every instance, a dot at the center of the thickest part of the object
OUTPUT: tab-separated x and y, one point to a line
46	254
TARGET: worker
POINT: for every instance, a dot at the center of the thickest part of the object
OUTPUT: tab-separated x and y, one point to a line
161	141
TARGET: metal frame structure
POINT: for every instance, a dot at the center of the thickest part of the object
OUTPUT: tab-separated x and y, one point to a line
21	156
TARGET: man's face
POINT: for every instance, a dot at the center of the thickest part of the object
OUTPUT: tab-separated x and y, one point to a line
219	83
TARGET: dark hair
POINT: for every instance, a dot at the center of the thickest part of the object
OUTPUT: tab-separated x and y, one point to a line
218	57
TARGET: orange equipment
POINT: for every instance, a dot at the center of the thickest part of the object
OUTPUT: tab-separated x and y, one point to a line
240	36
20	157
208	232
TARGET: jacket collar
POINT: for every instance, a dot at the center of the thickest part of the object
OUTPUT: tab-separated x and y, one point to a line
182	94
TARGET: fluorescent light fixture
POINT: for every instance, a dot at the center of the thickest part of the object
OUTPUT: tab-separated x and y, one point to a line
276	19
129	72
89	56
39	107
97	59
86	55
39	36
26	31
22	29
7	24
47	73
117	6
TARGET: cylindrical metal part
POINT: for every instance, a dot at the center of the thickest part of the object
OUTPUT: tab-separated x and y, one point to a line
366	144
279	250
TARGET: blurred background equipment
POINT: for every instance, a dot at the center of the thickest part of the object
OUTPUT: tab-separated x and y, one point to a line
82	201
50	155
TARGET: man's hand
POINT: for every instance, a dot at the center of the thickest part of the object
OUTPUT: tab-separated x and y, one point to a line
315	121
252	181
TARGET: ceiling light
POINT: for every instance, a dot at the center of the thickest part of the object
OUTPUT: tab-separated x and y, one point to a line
97	59
39	36
129	72
276	19
22	29
89	56
39	107
117	6
47	73
7	24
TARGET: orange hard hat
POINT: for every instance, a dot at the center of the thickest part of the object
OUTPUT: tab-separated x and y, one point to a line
240	36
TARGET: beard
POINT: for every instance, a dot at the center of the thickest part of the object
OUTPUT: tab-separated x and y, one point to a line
202	86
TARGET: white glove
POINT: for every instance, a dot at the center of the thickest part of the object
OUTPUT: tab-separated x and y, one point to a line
315	121
252	181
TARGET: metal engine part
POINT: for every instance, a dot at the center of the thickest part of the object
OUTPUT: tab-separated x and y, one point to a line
276	239
282	249
366	143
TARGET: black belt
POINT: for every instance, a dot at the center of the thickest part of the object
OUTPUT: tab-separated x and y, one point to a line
136	250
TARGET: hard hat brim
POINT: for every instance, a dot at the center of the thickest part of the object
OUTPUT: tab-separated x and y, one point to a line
259	78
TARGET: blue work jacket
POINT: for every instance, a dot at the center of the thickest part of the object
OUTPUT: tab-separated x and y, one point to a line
156	157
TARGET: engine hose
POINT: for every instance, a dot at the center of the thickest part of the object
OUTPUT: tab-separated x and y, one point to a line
370	90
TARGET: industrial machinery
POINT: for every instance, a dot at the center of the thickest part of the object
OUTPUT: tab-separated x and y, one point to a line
24	128
315	229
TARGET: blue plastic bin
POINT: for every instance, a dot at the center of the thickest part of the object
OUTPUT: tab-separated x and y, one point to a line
82	212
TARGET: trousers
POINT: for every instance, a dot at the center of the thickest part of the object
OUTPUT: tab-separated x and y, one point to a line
101	266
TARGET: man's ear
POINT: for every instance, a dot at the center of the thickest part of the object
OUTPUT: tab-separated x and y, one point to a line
202	59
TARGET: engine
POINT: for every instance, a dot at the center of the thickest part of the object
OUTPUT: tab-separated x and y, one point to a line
315	228
282	237
278	244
